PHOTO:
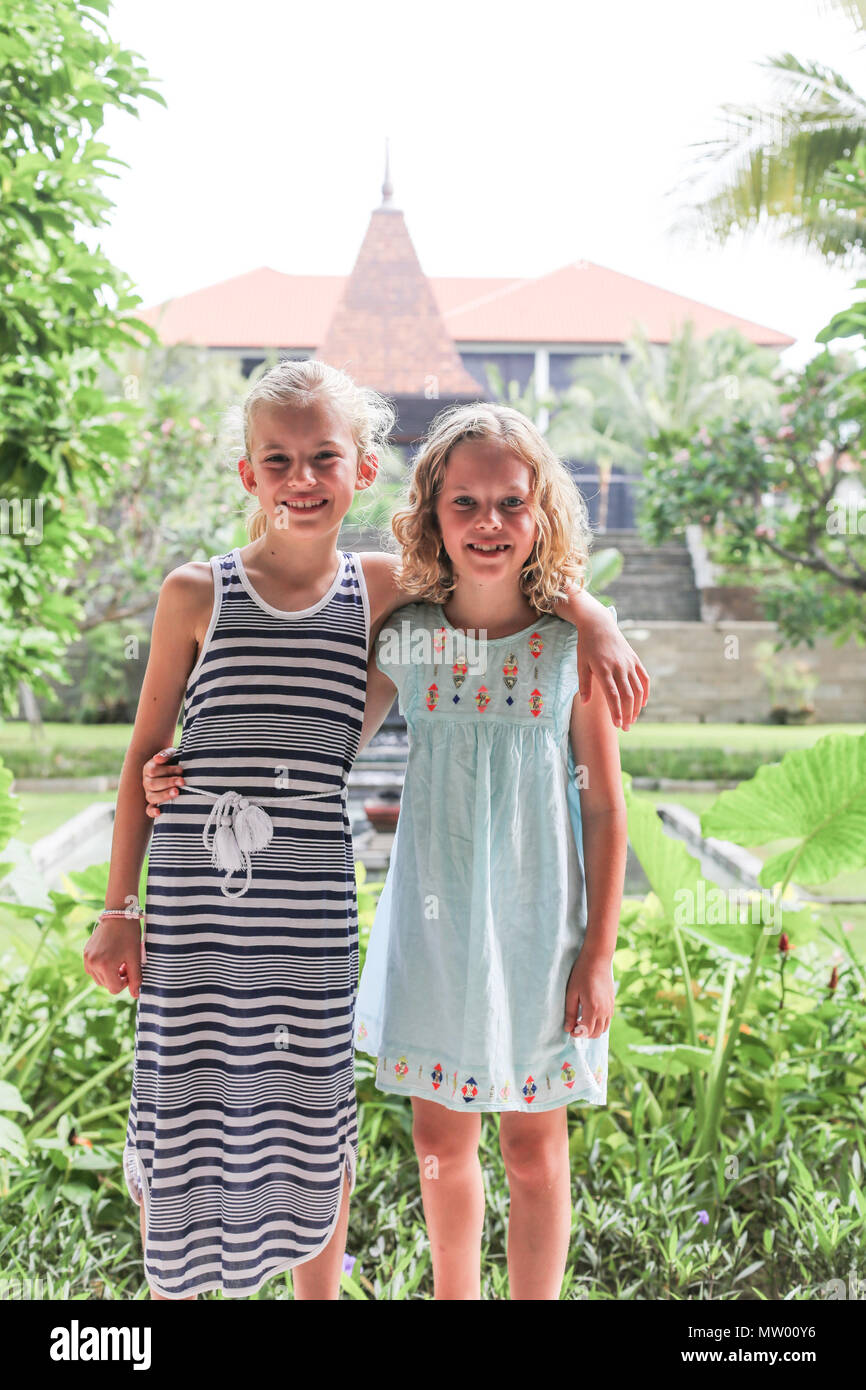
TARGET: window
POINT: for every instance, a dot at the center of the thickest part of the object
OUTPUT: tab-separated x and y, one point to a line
514	366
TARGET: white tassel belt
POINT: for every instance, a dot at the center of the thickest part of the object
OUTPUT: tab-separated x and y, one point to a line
241	826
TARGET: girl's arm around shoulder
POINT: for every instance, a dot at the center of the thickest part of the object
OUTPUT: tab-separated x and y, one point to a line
383	591
380	692
604	657
181	620
604	820
380	698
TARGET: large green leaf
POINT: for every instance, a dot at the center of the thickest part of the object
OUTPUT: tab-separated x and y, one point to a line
665	861
817	795
689	900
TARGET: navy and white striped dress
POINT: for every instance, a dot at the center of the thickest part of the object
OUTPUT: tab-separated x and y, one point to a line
242	1119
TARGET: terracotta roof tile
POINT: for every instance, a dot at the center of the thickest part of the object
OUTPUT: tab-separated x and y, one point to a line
387	330
263	308
581	303
589	303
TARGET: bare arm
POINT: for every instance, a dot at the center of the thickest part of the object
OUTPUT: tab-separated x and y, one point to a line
380	691
383	591
177	623
604	654
380	697
605	842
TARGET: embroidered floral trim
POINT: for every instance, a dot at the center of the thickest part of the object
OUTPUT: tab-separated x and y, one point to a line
468	1086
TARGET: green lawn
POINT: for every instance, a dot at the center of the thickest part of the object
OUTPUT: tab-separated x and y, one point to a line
46	811
16	734
735	736
644	733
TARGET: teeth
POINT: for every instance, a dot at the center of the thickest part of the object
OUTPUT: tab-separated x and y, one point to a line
487	547
305	506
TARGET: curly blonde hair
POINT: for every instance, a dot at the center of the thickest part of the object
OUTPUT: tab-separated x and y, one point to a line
369	416
562	546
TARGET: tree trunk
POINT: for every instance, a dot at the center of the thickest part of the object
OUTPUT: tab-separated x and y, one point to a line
29	710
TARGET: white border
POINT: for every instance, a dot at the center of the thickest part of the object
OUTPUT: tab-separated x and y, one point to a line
362	582
285	612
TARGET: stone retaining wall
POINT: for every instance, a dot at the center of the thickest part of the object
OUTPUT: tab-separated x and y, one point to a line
707	671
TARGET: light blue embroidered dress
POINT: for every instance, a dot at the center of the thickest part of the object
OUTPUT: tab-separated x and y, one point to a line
483	910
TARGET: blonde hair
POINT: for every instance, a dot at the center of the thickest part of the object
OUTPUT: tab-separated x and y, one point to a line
295	384
561	548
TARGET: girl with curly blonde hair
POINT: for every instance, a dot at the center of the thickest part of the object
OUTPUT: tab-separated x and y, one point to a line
488	982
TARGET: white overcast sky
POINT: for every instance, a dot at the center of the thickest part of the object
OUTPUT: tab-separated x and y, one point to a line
522	137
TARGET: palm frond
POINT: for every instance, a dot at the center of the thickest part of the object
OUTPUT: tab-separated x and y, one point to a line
772	162
854	9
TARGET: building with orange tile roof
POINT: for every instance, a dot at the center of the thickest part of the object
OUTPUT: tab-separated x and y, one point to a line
427	340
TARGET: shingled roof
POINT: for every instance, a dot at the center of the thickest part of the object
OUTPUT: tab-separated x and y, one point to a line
394	329
387	330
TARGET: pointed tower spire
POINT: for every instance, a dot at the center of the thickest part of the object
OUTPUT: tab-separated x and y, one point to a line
387	330
387	187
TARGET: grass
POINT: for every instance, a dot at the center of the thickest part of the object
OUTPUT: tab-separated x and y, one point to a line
16	734
43	812
646	733
774	1217
737	737
684	752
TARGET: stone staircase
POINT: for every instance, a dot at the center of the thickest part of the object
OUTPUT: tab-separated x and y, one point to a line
656	582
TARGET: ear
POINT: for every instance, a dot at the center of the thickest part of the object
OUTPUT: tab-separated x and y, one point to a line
248	477
368	467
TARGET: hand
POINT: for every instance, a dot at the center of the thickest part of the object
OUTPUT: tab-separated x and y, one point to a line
603	653
590	988
113	955
160	782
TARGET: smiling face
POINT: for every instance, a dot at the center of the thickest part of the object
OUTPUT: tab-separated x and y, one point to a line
484	511
303	466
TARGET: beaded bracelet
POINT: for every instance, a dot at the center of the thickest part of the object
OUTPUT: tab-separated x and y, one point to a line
132	914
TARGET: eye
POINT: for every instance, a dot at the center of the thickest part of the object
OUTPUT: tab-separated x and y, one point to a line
325	454
458	501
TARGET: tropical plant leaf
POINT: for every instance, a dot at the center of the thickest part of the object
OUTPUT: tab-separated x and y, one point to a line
688	900
817	794
665	861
